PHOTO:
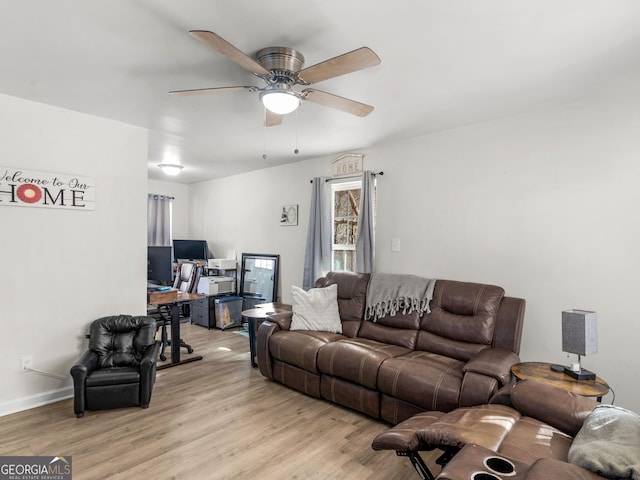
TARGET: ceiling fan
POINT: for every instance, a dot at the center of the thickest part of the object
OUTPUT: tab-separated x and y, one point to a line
281	68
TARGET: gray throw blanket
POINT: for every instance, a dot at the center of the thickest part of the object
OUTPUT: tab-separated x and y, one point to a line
388	294
608	443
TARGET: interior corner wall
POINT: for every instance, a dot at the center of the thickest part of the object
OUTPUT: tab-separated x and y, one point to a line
63	268
179	205
242	213
541	204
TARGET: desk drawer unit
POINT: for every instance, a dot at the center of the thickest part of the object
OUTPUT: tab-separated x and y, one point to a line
203	312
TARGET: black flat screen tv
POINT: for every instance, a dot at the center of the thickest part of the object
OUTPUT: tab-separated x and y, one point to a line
190	250
160	265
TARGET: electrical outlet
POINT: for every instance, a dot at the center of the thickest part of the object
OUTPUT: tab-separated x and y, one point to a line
27	363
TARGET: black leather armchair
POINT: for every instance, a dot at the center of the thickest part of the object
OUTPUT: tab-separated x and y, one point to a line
119	368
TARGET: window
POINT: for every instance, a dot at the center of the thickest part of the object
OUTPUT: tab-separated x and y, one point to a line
345	204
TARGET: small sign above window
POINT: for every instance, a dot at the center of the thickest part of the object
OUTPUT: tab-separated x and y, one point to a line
347	164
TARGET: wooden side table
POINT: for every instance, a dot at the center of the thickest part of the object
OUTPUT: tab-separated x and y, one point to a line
541	372
255	316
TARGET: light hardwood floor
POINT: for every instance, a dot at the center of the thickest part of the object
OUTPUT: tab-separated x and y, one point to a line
217	418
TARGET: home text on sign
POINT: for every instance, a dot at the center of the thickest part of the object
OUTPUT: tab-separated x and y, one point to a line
28	188
347	164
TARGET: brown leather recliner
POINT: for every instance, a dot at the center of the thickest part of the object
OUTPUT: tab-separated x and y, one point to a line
530	423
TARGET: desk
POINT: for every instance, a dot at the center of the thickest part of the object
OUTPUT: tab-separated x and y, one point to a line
173	298
541	372
255	316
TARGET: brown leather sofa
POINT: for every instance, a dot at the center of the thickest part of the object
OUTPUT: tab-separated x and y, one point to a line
530	424
459	354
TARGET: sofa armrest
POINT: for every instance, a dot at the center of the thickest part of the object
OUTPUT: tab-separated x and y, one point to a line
563	410
150	356
263	356
87	363
148	373
283	319
493	362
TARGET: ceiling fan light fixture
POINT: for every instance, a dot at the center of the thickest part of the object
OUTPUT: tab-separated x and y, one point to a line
279	101
172	169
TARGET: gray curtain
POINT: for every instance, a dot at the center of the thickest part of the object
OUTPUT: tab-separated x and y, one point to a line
317	258
158	220
365	241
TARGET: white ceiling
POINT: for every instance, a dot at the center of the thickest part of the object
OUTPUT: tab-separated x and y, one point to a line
445	63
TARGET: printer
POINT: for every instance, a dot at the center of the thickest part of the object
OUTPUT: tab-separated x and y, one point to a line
216	285
222	263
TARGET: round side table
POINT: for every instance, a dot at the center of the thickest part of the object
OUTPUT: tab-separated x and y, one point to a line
255	316
541	372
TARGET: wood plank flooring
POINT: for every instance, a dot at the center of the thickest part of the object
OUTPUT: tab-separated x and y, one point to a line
217	418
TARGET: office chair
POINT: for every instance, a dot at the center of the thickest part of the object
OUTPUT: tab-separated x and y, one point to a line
119	367
186	280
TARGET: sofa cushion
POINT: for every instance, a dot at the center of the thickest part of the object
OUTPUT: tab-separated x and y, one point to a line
530	439
316	309
300	348
484	425
357	359
424	379
113	376
462	319
349	394
352	292
402	337
121	340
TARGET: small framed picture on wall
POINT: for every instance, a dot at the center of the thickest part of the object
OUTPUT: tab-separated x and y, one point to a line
289	215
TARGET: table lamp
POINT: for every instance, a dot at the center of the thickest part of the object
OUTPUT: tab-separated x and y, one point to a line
579	336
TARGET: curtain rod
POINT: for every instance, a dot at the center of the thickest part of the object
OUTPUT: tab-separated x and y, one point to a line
160	195
329	179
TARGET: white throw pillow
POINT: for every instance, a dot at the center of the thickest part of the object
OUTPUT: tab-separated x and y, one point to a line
316	309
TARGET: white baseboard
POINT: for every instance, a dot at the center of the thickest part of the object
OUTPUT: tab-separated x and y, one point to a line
32	401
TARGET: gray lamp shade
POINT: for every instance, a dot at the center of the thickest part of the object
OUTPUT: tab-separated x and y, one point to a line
579	332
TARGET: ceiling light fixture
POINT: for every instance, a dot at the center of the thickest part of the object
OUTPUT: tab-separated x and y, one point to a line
172	169
280	99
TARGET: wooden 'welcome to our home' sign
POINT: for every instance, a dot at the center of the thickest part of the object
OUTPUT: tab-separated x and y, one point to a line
29	188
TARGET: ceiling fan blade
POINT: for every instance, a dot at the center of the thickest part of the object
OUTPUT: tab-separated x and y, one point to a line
346	63
272	119
334	101
223	47
200	91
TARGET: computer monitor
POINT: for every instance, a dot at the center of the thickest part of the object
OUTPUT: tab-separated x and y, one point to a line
190	250
160	265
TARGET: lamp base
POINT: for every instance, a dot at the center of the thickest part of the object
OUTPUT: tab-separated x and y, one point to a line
582	374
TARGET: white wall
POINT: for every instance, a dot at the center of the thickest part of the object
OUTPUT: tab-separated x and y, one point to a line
242	213
179	205
63	269
542	204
